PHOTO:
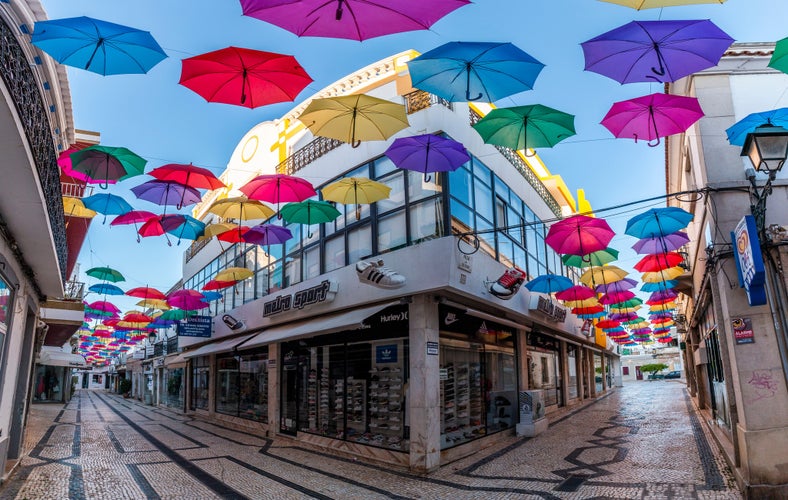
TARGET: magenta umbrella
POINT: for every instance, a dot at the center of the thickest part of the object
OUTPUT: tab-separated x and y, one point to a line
188	300
103	305
579	235
577	292
278	188
352	19
652	116
616	297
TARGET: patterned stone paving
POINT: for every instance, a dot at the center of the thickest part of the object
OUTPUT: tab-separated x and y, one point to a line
641	441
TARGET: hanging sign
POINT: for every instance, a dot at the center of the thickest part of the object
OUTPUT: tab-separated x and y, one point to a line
742	330
195	326
749	260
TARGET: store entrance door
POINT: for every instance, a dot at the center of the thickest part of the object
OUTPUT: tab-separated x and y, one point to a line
288	382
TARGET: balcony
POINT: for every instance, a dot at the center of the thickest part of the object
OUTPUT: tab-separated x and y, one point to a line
416	101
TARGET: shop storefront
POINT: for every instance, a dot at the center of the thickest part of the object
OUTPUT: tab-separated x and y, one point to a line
572	370
201	372
242	384
52	377
544	367
174	382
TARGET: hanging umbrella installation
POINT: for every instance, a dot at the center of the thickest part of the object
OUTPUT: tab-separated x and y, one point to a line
134	217
244	77
661	244
167	193
356	191
525	127
579	235
98	46
234	274
267	234
309	212
549	283
107	204
737	133
655	4
74	207
598	258
658	262
350	19
474	71
656	51
657	222
577	292
105	274
616	286
602	274
241	208
187	175
278	188
427	153
106	289
354	118
64	162
652	116
104	164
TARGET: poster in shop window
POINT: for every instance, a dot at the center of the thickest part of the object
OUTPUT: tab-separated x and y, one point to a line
386	353
742	331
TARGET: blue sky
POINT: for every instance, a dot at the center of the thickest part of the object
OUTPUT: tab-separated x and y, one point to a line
165	122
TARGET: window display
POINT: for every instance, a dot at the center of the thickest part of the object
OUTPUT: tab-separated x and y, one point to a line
571	355
174	384
200	375
544	367
242	385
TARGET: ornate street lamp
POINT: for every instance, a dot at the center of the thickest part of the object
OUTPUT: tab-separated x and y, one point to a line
767	148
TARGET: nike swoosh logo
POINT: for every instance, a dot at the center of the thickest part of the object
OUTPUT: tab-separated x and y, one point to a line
449	321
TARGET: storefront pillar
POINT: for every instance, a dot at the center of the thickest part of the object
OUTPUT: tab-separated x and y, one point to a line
213	373
522	360
424	386
590	373
579	370
273	389
604	373
564	372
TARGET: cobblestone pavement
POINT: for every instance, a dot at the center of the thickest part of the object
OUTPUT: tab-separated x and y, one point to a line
642	441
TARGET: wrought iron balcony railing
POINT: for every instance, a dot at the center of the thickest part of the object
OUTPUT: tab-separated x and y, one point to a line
74	290
418	100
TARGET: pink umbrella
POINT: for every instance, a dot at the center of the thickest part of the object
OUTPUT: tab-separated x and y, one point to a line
577	292
188	300
277	188
579	235
134	217
652	116
103	305
615	297
64	161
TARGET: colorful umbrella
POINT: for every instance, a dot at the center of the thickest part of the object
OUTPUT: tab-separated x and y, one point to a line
577	292
582	303
658	222
267	234
177	314
146	292
658	262
474	71
97	46
187	303
659	285
106	289
107	204
602	274
218	285
616	297
598	258
588	310
64	161
218	228
188	175
351	19
240	208
354	118
779	60
549	283
737	132
579	235
661	244
234	274
133	217
278	188
154	303
356	191
525	127
187	229
105	274
654	4
652	116
167	193
309	212
104	306
656	51
663	275
244	77
616	286
607	323
427	153
103	164
73	207
211	296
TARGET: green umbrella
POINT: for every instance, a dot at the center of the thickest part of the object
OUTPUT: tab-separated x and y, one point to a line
106	274
309	212
175	314
629	303
526	127
102	164
779	60
598	258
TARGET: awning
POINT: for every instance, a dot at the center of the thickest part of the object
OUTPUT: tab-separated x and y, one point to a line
495	319
55	358
176	361
321	325
218	347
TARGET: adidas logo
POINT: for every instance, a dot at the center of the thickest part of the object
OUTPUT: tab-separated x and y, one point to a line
374	273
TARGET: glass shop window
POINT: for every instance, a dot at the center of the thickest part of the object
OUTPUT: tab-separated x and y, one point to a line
200	378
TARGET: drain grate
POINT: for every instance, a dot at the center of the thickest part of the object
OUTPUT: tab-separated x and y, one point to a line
571	483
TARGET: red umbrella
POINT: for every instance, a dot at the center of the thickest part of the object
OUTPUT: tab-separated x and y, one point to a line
608	323
588	310
188	175
244	77
579	235
218	285
146	292
658	262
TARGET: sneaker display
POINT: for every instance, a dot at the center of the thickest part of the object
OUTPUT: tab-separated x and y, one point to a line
508	284
375	273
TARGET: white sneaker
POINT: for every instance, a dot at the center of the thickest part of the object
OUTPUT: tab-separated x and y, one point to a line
374	273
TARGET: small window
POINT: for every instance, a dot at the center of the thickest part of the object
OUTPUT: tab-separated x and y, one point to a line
625	370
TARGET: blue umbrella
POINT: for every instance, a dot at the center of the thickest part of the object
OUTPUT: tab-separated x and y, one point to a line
549	283
211	296
106	289
107	204
592	316
659	286
474	71
658	222
98	46
185	227
739	130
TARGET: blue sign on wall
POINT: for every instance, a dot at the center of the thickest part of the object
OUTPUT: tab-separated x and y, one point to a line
386	353
749	260
196	326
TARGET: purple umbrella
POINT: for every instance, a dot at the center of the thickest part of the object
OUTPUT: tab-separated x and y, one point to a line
662	295
427	153
623	316
167	193
352	19
652	116
656	51
661	244
267	234
617	286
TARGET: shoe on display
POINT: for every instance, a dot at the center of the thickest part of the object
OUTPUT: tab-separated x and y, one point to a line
508	284
375	273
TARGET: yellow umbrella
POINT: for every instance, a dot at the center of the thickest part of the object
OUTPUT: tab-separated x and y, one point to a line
241	208
664	275
663	307
356	191
653	4
354	118
154	303
624	309
216	229
234	274
589	302
73	207
597	275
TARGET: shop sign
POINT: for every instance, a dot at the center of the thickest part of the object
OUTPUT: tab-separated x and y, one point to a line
386	353
550	309
196	326
742	331
432	348
749	261
272	364
443	374
324	292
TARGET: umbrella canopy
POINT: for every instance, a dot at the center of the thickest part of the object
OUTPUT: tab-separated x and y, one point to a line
427	153
154	303
656	51
187	303
582	303
654	4
658	262
661	244
658	222
132	217
608	323
652	116
104	306
107	204
103	164
737	132
351	19
278	188
598	258
663	275
64	161
779	60
354	118
218	228
106	289
218	285
167	193
74	207
549	283
211	295
474	71
659	285
309	212
602	274
146	292
577	292
588	310
105	274
244	77
234	274
616	286
616	297
525	127
579	235
240	208
98	46
356	191
176	314
188	175
187	229
267	234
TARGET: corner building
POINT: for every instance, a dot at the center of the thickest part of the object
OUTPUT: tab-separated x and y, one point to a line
416	368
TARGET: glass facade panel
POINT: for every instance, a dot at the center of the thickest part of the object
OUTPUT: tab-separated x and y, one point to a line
242	385
461	186
544	367
6	299
200	378
335	253
426	221
173	381
396	199
227	385
359	243
419	188
392	232
571	362
312	262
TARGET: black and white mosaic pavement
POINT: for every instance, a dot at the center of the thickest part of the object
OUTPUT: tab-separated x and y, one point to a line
642	441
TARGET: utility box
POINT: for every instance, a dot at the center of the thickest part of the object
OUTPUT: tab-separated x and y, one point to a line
532	419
